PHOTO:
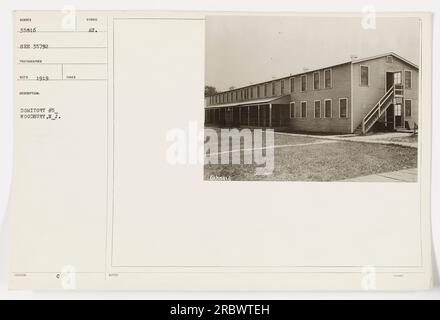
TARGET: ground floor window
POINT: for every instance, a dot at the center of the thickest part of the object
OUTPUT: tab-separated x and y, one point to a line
292	110
328	108
303	109
343	108
407	108
318	109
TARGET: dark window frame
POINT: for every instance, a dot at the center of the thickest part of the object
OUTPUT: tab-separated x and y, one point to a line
325	108
303	114
330	84
346	107
408	114
314	109
316	87
304	83
362	82
410	79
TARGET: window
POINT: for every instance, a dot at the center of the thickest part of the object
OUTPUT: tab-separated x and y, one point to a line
407	108
303	109
282	87
397	109
236	95
343	108
408	79
327	108
252	92
241	94
389	59
273	88
292	84
292	110
316	81
397	78
328	78
258	92
365	81
265	89
318	109
303	83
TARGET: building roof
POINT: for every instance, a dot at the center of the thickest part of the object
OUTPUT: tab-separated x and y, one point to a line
327	67
278	99
385	55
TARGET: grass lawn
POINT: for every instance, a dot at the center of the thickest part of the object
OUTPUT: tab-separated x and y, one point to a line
329	161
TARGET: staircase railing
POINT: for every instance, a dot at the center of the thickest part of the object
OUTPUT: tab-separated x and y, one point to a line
379	108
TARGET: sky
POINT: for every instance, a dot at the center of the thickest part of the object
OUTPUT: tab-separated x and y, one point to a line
246	50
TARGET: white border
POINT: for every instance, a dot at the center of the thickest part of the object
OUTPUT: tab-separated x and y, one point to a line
211	5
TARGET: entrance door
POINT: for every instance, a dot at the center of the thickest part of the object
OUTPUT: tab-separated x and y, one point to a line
389	118
398	117
390	80
393	78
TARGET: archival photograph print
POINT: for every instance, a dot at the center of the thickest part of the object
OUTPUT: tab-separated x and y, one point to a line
312	98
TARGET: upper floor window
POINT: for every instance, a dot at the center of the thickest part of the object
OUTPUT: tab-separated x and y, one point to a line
252	92
282	87
292	84
343	108
389	59
397	77
408	79
365	76
303	83
258	92
315	80
328	78
273	88
265	89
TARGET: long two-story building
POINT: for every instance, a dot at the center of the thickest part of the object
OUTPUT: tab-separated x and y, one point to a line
360	95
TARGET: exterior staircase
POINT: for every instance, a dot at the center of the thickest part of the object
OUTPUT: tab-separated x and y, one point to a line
393	94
